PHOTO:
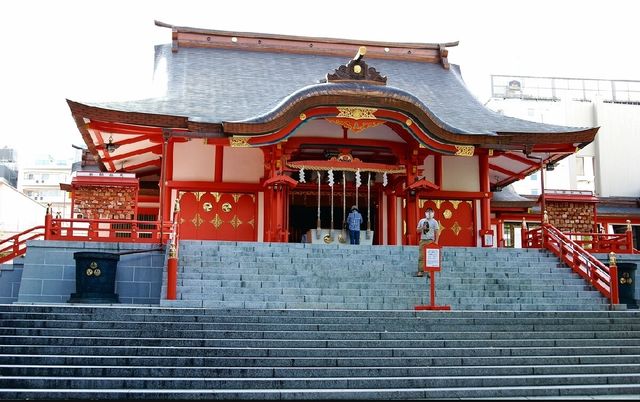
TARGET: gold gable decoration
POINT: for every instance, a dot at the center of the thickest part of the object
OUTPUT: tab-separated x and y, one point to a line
239	142
356	112
355	125
464	150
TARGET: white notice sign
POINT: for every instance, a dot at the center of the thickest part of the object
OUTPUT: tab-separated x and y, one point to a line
433	257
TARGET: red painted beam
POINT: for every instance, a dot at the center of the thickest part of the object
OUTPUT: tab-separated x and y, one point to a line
505	171
156	149
128	141
153	162
521	159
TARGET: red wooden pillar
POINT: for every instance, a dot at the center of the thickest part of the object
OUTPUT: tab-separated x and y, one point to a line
437	168
411	199
499	234
166	176
486	234
281	213
412	217
273	209
391	218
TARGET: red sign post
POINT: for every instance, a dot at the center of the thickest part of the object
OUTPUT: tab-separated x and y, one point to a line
432	264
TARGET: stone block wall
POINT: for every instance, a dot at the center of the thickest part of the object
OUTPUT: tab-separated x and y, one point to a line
10	276
49	273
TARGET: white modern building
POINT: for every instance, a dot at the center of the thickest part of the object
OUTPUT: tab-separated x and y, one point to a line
40	179
17	211
610	166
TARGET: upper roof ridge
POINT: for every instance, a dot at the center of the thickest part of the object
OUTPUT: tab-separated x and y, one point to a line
198	37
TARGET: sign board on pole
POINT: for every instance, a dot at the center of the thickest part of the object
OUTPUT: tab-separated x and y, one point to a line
432	264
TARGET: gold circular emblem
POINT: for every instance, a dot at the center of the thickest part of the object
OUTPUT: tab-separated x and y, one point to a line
207	206
447	214
341	238
226	207
89	272
327	239
409	122
97	272
357	69
93	265
303	116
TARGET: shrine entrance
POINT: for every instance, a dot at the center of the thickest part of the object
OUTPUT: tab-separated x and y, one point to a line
304	212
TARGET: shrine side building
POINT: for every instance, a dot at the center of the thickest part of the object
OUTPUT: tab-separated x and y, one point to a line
273	138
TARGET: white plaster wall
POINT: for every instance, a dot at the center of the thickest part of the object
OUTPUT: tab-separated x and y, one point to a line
429	168
194	161
17	211
242	165
617	145
460	173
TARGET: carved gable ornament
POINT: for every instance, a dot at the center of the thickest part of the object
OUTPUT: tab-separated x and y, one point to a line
357	70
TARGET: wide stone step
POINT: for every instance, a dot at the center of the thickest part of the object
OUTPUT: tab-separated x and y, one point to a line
352	383
546	391
309	330
315	343
148	352
300	361
314	372
245	352
254	288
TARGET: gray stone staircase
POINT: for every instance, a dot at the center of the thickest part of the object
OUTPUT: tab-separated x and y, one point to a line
347	277
143	352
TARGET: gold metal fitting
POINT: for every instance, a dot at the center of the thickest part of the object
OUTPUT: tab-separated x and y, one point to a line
612	259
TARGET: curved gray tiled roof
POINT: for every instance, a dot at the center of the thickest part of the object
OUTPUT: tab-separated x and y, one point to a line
221	85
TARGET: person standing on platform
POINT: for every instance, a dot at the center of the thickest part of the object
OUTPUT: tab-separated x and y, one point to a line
429	232
354	220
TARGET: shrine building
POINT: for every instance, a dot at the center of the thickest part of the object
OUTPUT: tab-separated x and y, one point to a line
272	138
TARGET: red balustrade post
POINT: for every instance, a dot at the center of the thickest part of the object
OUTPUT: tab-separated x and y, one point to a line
172	273
47	223
16	245
134	231
613	278
544	235
629	235
523	234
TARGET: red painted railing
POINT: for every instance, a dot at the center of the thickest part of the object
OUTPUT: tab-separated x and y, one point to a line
16	245
604	242
602	277
108	230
